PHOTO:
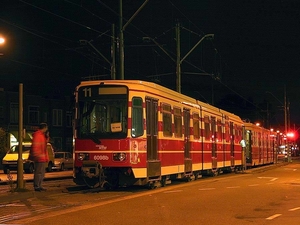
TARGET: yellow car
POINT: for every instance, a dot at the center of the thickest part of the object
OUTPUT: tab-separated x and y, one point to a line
10	160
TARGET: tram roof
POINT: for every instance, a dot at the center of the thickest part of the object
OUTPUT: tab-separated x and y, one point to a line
184	99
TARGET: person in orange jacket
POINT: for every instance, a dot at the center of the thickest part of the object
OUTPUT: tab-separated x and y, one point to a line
39	155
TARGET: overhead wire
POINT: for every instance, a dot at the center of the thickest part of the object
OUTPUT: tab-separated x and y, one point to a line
87	10
220	81
27	30
101	33
47	39
62	17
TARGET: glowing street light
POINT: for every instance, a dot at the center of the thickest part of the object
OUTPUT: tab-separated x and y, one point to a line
2	41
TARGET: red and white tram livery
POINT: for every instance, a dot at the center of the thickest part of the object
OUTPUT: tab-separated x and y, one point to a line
130	132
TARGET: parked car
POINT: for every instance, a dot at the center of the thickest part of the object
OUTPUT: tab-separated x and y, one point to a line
62	161
10	160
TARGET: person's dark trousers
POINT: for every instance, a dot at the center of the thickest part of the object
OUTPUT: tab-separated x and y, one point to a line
39	174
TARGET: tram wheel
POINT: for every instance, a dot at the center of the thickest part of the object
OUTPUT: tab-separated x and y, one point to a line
196	174
92	182
151	186
163	181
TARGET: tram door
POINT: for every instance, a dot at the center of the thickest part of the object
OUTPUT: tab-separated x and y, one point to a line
153	163
214	143
260	138
187	144
232	134
249	147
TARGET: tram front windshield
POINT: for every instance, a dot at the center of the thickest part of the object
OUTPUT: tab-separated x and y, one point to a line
102	112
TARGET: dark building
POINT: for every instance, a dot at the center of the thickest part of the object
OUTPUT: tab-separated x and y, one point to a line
56	112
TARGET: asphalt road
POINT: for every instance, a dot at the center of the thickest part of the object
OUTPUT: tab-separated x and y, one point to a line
267	196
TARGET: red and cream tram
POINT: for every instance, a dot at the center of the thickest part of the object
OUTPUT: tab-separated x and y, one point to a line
130	132
261	145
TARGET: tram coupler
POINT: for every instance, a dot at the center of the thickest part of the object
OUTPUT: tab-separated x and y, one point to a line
91	168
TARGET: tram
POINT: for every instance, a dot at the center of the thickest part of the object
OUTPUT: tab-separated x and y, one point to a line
131	132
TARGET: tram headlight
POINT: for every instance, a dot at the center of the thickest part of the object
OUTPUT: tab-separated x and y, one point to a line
120	156
83	156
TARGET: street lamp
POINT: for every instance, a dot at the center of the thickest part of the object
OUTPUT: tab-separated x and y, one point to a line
2	41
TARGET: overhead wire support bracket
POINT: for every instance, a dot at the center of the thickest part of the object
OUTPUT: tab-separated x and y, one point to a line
192	49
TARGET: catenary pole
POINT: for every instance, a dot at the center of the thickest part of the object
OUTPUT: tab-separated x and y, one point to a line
121	35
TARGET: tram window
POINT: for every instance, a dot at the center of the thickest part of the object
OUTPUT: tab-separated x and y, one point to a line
240	133
167	120
236	134
196	125
137	128
253	143
219	135
227	133
206	128
178	122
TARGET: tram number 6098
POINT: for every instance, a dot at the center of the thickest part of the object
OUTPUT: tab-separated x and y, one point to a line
101	157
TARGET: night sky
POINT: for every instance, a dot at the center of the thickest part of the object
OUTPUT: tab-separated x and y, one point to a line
255	50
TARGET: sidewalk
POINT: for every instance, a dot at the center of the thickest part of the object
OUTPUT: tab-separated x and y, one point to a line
6	178
6	186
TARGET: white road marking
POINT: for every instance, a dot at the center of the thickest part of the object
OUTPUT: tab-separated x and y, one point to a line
290	169
273	217
172	191
271	178
234	187
206	189
253	185
294	209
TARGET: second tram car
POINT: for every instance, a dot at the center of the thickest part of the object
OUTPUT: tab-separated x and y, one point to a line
261	145
130	132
